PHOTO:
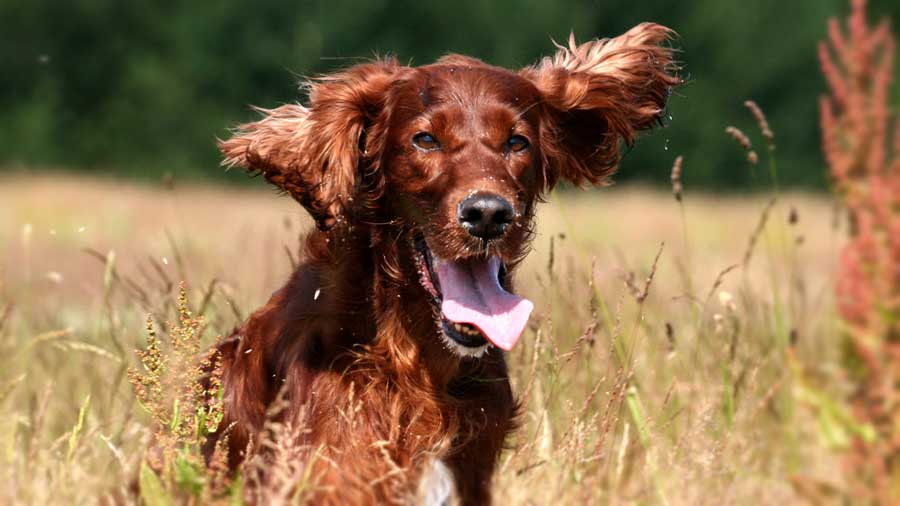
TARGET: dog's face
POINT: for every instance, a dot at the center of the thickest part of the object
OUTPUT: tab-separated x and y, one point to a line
461	167
454	156
463	157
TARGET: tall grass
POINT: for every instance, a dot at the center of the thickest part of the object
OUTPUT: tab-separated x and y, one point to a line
682	351
634	390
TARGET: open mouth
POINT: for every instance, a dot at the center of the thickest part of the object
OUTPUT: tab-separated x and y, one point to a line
472	308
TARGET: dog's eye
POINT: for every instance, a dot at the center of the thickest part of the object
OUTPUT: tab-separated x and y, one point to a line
517	143
425	141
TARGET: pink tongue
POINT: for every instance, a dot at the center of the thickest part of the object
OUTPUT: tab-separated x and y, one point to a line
472	294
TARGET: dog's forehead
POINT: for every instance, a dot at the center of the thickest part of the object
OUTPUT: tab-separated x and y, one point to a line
469	82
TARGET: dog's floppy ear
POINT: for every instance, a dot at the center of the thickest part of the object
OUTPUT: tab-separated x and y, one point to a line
597	95
315	152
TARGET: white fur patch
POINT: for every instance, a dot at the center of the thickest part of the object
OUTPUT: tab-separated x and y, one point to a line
463	351
437	487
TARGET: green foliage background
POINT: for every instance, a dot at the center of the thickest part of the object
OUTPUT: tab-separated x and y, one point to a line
142	88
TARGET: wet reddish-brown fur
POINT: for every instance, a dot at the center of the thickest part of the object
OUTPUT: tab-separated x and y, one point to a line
351	340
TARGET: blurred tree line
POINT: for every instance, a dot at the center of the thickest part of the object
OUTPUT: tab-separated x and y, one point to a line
143	88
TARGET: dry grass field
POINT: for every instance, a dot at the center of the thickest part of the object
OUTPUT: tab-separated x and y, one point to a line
715	383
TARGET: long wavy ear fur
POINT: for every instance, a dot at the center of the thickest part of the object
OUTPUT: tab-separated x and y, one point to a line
315	153
598	95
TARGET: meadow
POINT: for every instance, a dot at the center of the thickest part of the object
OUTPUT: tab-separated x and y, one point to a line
680	352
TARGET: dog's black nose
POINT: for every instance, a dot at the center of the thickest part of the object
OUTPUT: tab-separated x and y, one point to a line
485	215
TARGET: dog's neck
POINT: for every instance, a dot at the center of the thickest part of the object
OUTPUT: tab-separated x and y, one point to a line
374	265
414	347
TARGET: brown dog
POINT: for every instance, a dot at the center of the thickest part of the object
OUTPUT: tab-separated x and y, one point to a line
388	341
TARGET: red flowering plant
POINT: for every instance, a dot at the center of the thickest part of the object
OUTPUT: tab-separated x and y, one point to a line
861	142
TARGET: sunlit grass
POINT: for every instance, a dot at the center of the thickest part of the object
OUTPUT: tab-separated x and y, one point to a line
715	383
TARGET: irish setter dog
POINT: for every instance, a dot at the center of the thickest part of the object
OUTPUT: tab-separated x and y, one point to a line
387	343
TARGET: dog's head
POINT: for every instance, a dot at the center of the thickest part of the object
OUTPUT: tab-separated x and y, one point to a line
454	155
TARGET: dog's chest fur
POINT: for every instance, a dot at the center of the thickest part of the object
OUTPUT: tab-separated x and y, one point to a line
437	486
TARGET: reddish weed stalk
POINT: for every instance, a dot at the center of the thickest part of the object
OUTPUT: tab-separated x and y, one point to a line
179	385
865	171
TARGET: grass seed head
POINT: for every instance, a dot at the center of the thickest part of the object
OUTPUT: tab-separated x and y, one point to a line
761	121
739	137
676	178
